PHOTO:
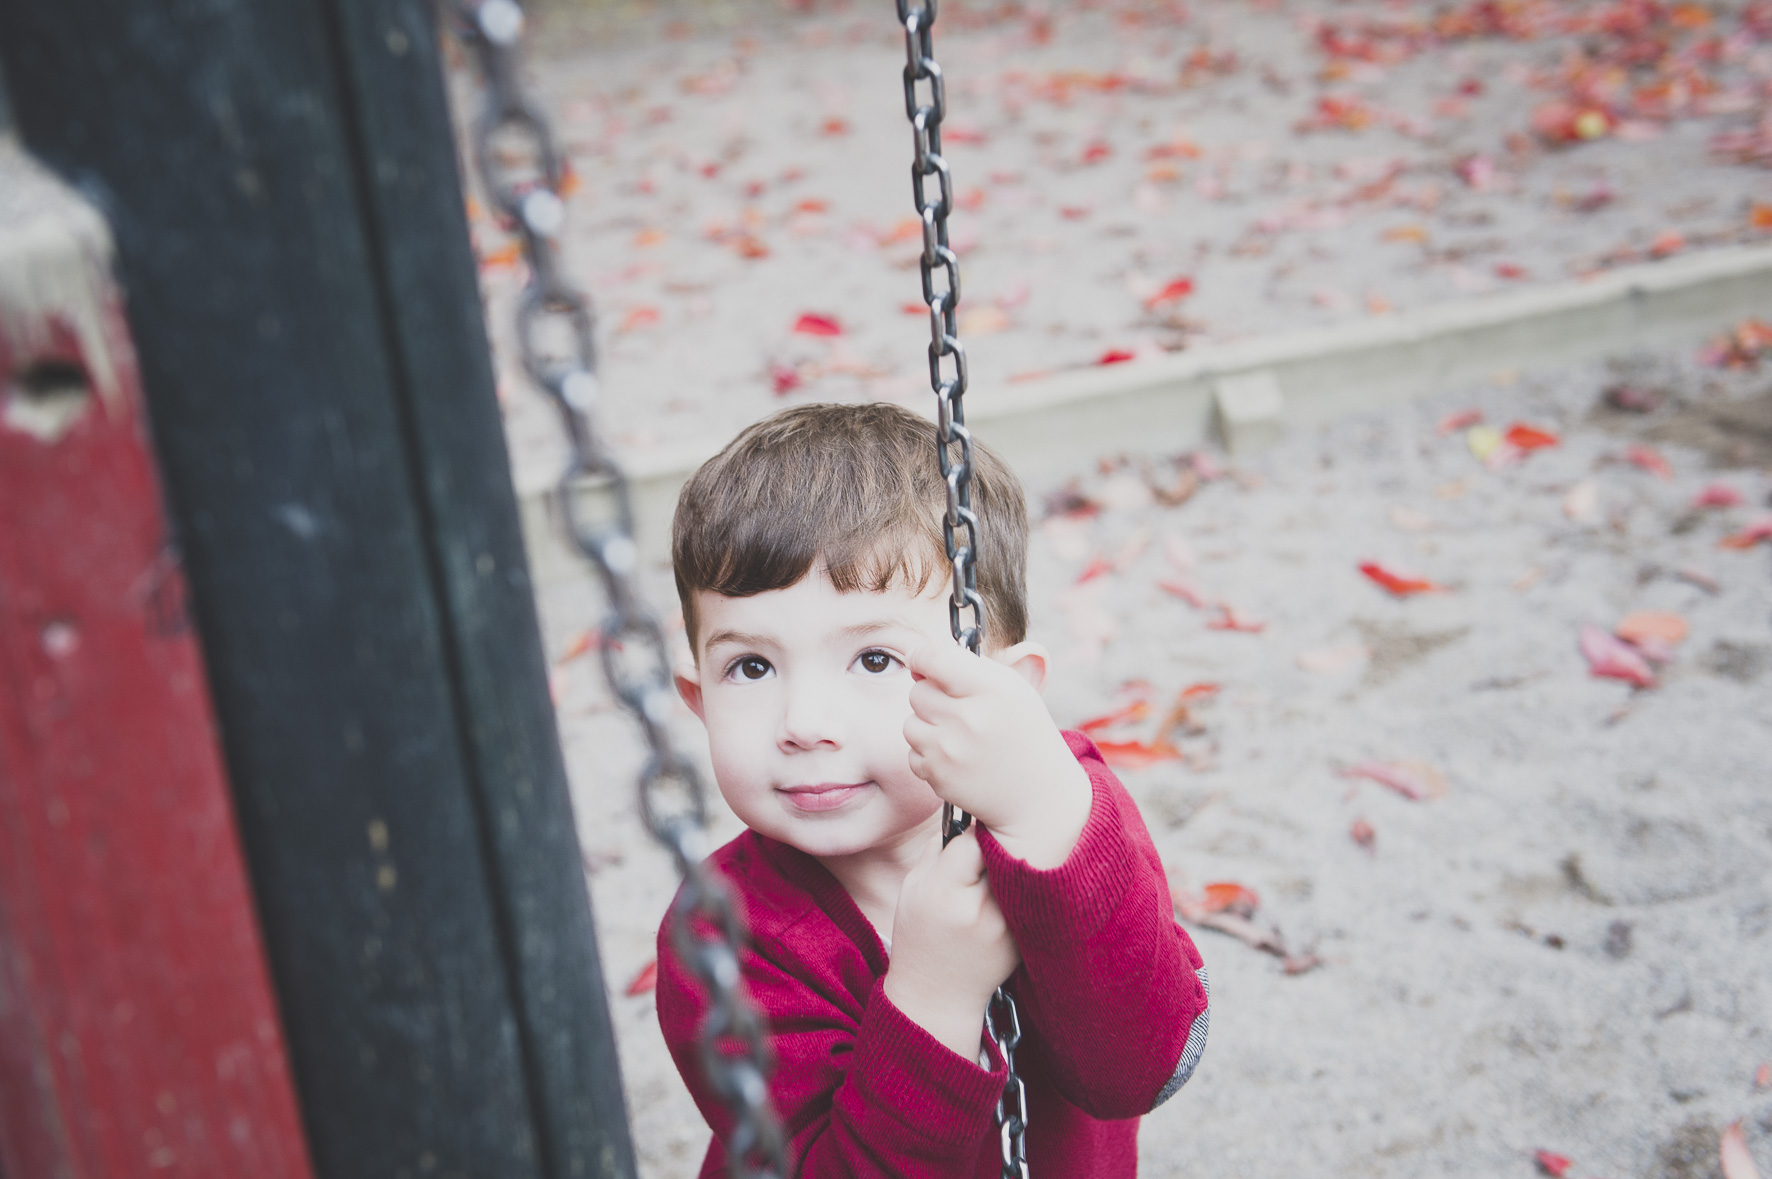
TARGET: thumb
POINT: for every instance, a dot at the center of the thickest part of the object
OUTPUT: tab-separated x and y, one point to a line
962	860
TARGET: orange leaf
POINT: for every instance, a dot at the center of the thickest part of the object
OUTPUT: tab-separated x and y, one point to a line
1658	625
834	126
1750	536
817	325
1229	897
1405	233
749	247
1097	566
505	255
1127	714
1400	585
585	640
1136	755
1524	437
646	980
1196	692
639	317
649	237
1414	780
1760	216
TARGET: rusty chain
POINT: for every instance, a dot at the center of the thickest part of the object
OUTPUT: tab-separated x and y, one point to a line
523	176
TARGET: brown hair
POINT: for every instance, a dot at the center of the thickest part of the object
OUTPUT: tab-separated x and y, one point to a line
856	488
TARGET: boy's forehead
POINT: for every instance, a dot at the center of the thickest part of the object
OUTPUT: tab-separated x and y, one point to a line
814	608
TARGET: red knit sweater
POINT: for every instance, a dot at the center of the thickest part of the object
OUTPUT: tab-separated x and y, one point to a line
1109	991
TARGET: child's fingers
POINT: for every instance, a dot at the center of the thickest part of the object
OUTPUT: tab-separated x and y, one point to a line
962	861
950	667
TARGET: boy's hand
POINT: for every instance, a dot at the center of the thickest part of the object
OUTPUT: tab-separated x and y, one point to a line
981	737
950	946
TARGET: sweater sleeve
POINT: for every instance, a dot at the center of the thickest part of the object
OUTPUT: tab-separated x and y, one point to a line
1112	991
861	1090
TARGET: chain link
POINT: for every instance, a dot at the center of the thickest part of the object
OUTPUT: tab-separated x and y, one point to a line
953	448
523	175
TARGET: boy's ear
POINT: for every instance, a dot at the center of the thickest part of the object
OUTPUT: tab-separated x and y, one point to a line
1031	660
688	680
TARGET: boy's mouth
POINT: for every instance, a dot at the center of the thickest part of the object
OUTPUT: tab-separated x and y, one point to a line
822	796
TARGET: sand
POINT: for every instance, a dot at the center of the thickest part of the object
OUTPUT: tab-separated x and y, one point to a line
1568	949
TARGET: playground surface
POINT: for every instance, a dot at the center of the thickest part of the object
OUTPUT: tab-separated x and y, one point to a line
1469	901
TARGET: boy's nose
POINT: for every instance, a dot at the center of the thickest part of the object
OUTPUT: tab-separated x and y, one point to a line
809	718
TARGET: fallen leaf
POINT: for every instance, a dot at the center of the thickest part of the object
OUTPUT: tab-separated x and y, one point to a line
1185	589
1097	151
505	255
834	126
1650	460
747	246
1582	504
1136	755
1610	656
1763	1077
1330	660
1405	233
1414	780
1411	520
1229	619
784	378
1748	537
1229	897
1526	437
1483	441
983	320
1116	356
1737	1162
639	318
1555	1165
1462	419
1398	584
1660	625
1717	495
646	980
649	237
1512	271
810	324
1098	565
1631	399
1174	291
1760	216
585	640
1127	714
1362	833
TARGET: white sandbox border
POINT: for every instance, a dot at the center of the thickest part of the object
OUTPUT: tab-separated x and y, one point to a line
1166	403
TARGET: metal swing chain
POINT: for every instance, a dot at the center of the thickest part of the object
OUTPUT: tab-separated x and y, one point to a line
555	335
953	447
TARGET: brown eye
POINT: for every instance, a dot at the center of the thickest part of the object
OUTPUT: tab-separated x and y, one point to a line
753	668
876	662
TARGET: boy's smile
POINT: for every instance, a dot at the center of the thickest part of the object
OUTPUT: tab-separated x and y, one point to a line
805	694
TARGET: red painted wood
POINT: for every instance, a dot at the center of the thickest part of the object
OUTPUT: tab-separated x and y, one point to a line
138	1031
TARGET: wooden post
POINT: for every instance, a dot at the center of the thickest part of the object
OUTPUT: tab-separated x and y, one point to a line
281	181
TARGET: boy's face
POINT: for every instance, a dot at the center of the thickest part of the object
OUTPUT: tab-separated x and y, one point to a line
804	692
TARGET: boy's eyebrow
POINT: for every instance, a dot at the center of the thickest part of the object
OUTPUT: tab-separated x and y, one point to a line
737	638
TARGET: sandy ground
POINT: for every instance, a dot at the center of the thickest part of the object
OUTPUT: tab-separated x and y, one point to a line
1568	950
742	165
1565	950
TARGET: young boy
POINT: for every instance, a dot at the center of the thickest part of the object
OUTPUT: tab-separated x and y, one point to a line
840	715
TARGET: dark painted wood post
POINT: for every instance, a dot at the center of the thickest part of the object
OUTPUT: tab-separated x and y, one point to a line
281	181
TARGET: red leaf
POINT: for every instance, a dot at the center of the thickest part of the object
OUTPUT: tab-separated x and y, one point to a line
1717	495
817	325
1524	437
1229	619
1136	755
1552	1164
1116	356
1097	151
784	378
1511	270
1127	714
1361	833
1400	585
1753	534
834	126
1183	589
1763	1076
638	318
1196	692
1175	291
1097	566
1415	781
1463	419
646	980
1650	460
1611	657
